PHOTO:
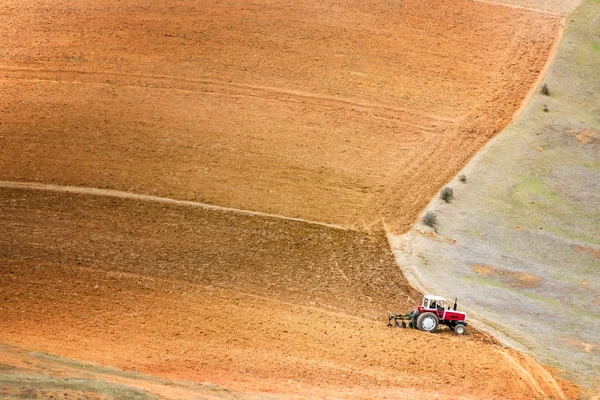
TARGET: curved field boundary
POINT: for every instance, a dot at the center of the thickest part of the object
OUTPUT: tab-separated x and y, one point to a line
520	240
144	197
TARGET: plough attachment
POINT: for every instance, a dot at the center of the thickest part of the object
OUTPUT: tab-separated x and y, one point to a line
411	317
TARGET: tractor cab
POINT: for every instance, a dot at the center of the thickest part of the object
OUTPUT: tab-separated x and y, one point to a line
434	304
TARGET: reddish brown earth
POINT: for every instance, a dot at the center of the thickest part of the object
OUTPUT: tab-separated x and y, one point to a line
308	264
339	112
342	112
179	293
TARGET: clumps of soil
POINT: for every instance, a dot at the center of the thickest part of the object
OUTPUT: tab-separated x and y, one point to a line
587	347
511	278
588	250
585	136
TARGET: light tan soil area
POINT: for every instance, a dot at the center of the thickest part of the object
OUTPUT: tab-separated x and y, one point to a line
342	112
145	287
561	7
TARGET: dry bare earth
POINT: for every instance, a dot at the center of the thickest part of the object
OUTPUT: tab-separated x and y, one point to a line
342	112
179	293
334	112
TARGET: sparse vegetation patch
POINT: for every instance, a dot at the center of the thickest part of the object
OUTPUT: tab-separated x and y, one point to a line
447	194
430	219
545	90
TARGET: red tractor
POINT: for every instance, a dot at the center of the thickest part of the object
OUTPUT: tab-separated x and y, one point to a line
430	314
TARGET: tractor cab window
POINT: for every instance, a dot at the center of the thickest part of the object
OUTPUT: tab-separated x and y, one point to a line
434	304
429	303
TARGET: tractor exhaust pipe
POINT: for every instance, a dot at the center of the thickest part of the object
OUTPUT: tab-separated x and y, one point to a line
455	303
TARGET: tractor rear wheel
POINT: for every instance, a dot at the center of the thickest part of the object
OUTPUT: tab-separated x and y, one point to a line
428	322
459	329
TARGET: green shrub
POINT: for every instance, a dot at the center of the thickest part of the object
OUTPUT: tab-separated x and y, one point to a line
447	194
545	90
462	178
430	219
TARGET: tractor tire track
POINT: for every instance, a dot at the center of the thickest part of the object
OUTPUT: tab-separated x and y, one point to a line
153	81
527	373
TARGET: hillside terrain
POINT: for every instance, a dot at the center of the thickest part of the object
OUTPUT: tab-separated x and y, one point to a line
336	112
193	195
177	293
521	240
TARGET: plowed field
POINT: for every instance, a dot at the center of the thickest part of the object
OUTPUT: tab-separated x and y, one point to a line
179	293
330	116
341	112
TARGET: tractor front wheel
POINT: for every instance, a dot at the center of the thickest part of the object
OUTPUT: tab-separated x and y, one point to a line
427	322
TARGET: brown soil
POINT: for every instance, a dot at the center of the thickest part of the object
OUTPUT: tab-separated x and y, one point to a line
337	112
585	136
588	250
202	295
511	278
289	260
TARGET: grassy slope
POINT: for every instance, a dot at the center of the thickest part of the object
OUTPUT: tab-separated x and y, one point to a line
32	375
531	210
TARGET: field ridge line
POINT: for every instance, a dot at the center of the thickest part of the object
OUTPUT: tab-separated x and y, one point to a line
272	89
157	199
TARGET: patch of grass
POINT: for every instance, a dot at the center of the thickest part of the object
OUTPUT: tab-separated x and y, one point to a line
86	366
535	192
591	165
596	46
479	280
33	383
447	194
430	219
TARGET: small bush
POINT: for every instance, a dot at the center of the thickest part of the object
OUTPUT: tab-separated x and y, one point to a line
447	194
545	90
430	219
545	108
462	178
